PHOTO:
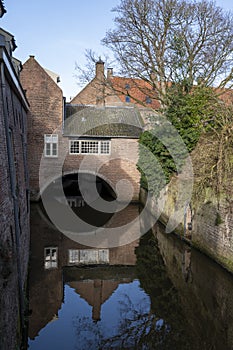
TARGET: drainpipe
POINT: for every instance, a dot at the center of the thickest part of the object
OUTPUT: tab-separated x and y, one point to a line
14	198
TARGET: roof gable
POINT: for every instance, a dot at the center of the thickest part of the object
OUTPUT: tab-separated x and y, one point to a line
37	72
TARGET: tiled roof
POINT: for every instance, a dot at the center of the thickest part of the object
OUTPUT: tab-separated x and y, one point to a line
102	121
140	92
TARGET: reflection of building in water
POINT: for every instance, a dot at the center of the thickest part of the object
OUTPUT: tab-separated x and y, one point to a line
52	258
97	291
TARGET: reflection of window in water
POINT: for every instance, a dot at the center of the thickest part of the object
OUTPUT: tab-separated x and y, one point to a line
50	257
88	256
73	256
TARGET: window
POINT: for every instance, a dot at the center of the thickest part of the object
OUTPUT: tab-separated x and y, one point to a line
74	147
89	147
88	256
51	145
104	147
148	100
50	257
73	256
127	98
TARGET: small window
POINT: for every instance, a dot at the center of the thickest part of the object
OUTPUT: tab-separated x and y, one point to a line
127	86
148	100
104	147
73	256
50	257
90	147
51	145
127	98
74	147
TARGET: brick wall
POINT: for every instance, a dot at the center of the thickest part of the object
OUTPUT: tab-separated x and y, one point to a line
14	243
46	110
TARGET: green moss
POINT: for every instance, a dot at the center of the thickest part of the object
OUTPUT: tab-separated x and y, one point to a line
218	220
225	262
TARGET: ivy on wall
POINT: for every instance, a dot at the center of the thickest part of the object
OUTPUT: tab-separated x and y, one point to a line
193	113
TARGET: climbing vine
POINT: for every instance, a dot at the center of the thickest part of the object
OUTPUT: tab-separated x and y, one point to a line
214	156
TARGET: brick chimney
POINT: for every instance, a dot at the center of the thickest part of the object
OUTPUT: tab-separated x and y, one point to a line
109	73
99	70
100	80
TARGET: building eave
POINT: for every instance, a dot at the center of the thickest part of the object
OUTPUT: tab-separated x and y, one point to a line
4	58
2	9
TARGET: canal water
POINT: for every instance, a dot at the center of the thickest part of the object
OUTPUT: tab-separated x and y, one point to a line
152	293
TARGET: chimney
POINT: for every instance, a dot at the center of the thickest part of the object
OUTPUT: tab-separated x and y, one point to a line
109	73
97	300
99	70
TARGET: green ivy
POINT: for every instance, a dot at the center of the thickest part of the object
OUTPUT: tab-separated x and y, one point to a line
191	113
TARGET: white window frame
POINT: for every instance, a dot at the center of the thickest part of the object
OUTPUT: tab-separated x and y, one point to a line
74	256
50	139
103	147
88	256
51	260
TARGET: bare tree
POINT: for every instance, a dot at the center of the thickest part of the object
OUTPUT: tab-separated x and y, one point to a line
85	74
180	41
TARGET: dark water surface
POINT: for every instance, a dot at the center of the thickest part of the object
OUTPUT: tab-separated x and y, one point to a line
153	293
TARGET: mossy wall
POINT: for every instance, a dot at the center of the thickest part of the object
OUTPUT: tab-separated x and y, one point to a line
212	206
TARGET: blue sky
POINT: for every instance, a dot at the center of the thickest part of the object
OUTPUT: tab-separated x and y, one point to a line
57	32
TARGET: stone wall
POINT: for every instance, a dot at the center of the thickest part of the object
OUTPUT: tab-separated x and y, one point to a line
210	215
208	306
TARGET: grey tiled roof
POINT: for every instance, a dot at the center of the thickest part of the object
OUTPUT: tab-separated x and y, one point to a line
102	121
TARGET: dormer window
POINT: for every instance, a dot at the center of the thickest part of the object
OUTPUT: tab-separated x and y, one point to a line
127	98
127	86
148	100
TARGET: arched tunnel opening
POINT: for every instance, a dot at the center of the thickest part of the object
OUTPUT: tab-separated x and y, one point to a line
71	186
75	199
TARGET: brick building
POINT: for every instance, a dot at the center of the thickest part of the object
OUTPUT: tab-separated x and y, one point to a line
61	135
45	116
52	257
14	194
111	90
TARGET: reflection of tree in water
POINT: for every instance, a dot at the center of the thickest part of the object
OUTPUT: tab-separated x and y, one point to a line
135	327
158	325
89	333
132	327
165	303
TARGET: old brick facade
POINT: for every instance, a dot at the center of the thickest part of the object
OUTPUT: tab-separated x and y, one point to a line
47	116
14	191
111	90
